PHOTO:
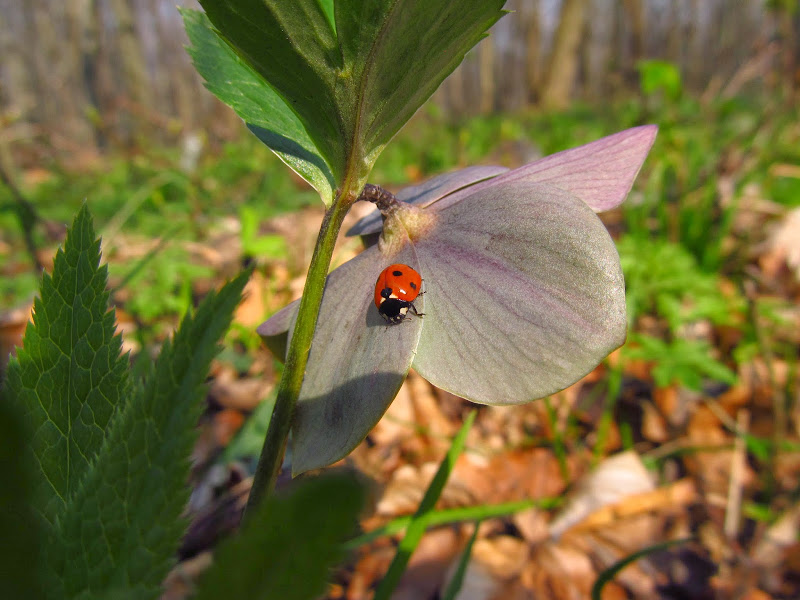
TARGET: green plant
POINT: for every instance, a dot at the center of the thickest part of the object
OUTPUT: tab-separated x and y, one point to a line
106	452
664	280
660	76
684	362
327	113
253	244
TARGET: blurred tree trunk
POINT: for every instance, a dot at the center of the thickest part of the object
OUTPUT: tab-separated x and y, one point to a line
788	36
132	63
16	90
81	53
531	26
564	58
46	50
99	76
693	57
635	14
486	76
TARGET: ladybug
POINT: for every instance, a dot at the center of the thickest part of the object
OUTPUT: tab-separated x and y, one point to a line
395	291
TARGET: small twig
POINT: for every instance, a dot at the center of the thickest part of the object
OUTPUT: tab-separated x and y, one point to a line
385	201
26	213
733	508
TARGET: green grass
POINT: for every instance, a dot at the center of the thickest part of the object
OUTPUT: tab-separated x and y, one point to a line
675	201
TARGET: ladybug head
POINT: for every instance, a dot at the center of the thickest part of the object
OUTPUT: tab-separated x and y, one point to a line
394	310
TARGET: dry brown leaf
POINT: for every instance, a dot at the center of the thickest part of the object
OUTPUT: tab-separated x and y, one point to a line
493	569
665	501
511	475
503	556
616	477
252	310
244	394
654	428
783	247
770	551
226	423
712	468
427	413
533	524
427	567
371	566
406	489
12	328
558	572
180	581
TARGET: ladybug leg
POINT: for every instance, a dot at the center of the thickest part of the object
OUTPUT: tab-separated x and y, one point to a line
414	308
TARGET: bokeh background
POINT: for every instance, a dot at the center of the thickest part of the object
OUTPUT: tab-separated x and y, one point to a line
690	431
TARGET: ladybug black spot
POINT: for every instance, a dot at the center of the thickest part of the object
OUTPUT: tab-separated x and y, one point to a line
386	292
413	285
397	273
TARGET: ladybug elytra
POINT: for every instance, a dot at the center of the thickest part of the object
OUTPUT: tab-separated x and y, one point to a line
397	287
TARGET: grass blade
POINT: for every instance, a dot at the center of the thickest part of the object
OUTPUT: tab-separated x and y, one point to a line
611	572
419	523
458	577
455	515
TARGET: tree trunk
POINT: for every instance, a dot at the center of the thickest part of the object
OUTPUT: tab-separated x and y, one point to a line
635	13
16	91
132	63
486	76
564	58
531	24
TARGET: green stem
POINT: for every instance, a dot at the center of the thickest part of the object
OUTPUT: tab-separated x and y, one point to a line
269	463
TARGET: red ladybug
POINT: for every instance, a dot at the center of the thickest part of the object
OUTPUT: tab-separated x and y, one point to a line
395	291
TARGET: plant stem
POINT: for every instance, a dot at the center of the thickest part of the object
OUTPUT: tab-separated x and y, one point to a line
26	213
269	463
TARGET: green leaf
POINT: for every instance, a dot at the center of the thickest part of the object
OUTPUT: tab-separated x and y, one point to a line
288	544
419	523
681	361
122	528
397	52
660	75
355	84
457	580
19	551
267	115
69	376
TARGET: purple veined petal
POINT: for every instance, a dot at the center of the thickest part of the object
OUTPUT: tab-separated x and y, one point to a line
600	173
525	294
428	192
275	330
357	363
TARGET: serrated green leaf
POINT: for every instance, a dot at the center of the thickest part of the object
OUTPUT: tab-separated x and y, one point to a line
353	86
19	551
234	82
121	530
288	545
396	54
69	376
